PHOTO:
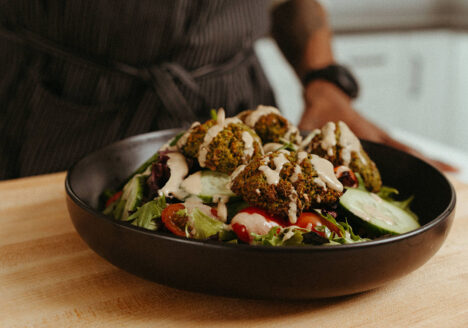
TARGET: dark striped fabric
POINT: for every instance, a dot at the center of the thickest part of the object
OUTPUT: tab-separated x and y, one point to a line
77	75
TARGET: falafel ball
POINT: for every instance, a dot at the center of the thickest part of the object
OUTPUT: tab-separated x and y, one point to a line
286	183
336	142
270	125
190	142
221	145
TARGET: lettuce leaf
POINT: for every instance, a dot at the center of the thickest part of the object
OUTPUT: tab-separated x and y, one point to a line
278	236
214	114
146	215
346	236
227	236
287	145
296	236
203	226
360	182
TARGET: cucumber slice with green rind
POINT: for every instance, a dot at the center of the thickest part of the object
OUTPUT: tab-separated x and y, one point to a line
207	184
131	197
215	184
375	214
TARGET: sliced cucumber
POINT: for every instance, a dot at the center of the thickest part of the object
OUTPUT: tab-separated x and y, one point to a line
131	197
375	214
206	185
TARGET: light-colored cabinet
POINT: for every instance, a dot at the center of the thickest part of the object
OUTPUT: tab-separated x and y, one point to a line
415	81
407	78
458	113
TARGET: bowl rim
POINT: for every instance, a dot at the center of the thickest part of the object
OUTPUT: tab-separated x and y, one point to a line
245	247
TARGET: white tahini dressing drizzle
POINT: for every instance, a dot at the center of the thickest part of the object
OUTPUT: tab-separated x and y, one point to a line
325	172
221	116
168	147
248	144
297	171
309	138
254	222
341	169
301	156
234	174
212	132
292	129
349	143
192	184
329	138
289	233
273	176
193	203
292	207
261	110
221	208
183	140
319	182
179	169
271	147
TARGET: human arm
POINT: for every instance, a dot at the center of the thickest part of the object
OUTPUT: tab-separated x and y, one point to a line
301	30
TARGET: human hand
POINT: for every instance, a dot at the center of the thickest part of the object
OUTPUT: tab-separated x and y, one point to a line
325	102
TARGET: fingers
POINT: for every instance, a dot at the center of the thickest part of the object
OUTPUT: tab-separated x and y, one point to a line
436	163
324	103
444	166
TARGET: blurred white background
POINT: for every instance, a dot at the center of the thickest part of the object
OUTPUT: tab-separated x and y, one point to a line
411	59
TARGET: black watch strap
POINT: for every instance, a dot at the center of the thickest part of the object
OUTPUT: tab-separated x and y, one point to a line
336	74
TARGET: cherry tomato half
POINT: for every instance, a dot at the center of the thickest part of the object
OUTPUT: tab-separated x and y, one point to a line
256	210
254	224
310	220
241	232
346	176
174	222
113	198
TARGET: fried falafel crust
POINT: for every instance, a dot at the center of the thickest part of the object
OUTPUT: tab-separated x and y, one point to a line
294	186
227	149
195	138
272	127
359	162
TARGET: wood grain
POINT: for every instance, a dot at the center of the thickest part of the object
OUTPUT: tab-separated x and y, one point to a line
50	278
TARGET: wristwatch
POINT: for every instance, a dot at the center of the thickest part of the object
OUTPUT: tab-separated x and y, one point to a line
336	74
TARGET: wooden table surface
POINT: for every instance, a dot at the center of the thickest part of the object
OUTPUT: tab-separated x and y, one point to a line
50	278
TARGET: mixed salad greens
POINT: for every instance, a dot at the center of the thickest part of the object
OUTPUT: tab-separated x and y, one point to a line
252	179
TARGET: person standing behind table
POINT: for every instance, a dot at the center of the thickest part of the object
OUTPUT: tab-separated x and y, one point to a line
79	75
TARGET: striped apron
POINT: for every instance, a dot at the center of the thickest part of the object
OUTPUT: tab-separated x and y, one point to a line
77	75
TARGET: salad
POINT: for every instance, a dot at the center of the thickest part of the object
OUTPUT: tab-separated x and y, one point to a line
253	179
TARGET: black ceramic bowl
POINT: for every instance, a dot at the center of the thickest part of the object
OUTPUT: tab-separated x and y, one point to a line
258	271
